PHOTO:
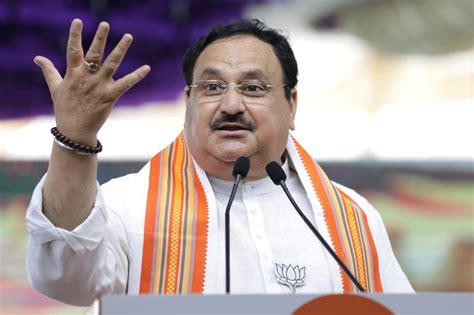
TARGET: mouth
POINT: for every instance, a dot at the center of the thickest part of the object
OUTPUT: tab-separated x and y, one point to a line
232	127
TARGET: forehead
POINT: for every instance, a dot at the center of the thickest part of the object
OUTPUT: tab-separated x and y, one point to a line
238	57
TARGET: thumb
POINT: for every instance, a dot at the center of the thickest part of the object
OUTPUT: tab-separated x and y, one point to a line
50	73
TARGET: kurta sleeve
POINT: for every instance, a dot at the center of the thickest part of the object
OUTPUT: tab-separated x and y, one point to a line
393	278
77	266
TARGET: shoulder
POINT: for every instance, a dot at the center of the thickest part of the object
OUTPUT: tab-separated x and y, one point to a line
393	278
124	194
127	182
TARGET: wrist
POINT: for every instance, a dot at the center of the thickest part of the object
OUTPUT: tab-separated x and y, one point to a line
76	147
74	135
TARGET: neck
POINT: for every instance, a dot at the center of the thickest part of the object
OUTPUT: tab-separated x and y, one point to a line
223	170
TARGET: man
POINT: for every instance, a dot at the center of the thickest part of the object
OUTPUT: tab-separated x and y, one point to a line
161	231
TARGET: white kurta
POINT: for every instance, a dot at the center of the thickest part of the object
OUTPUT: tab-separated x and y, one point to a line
103	254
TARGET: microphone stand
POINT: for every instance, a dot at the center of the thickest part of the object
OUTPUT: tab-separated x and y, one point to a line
237	180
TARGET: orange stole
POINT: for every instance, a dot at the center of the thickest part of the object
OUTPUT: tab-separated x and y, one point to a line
348	229
175	233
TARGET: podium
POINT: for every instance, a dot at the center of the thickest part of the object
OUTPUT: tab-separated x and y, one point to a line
420	303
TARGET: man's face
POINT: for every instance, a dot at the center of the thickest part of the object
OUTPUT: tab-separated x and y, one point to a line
220	129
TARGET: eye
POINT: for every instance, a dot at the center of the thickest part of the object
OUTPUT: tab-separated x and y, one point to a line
213	86
253	88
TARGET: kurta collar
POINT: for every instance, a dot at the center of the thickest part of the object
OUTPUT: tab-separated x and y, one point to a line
259	187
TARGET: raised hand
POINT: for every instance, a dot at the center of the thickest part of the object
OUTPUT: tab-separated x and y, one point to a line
84	98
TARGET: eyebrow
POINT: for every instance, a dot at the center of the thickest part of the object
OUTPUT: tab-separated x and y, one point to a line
249	74
211	72
254	74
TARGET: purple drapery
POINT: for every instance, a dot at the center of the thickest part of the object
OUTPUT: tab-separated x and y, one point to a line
162	31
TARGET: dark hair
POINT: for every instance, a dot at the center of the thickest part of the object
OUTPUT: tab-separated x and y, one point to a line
253	27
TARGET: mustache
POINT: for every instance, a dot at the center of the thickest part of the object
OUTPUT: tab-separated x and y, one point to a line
227	118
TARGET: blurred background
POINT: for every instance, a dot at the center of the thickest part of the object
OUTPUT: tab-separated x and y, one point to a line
385	104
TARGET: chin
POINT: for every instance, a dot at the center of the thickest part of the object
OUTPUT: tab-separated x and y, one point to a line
229	156
230	150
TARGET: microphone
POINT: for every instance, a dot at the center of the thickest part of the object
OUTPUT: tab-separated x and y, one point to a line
278	177
240	171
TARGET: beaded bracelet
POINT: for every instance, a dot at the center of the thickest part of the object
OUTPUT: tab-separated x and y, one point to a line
75	147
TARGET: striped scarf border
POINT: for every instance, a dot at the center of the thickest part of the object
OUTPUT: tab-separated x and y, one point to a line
175	232
348	228
364	246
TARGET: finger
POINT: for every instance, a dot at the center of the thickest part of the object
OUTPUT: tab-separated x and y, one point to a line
50	73
74	53
113	61
124	84
96	51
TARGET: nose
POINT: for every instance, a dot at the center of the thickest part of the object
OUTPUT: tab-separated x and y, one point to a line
231	102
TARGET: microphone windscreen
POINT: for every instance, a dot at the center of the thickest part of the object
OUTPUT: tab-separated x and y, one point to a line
241	167
276	173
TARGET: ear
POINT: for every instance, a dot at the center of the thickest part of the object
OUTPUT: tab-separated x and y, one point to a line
293	102
187	92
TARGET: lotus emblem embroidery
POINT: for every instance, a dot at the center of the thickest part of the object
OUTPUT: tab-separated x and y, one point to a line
291	276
